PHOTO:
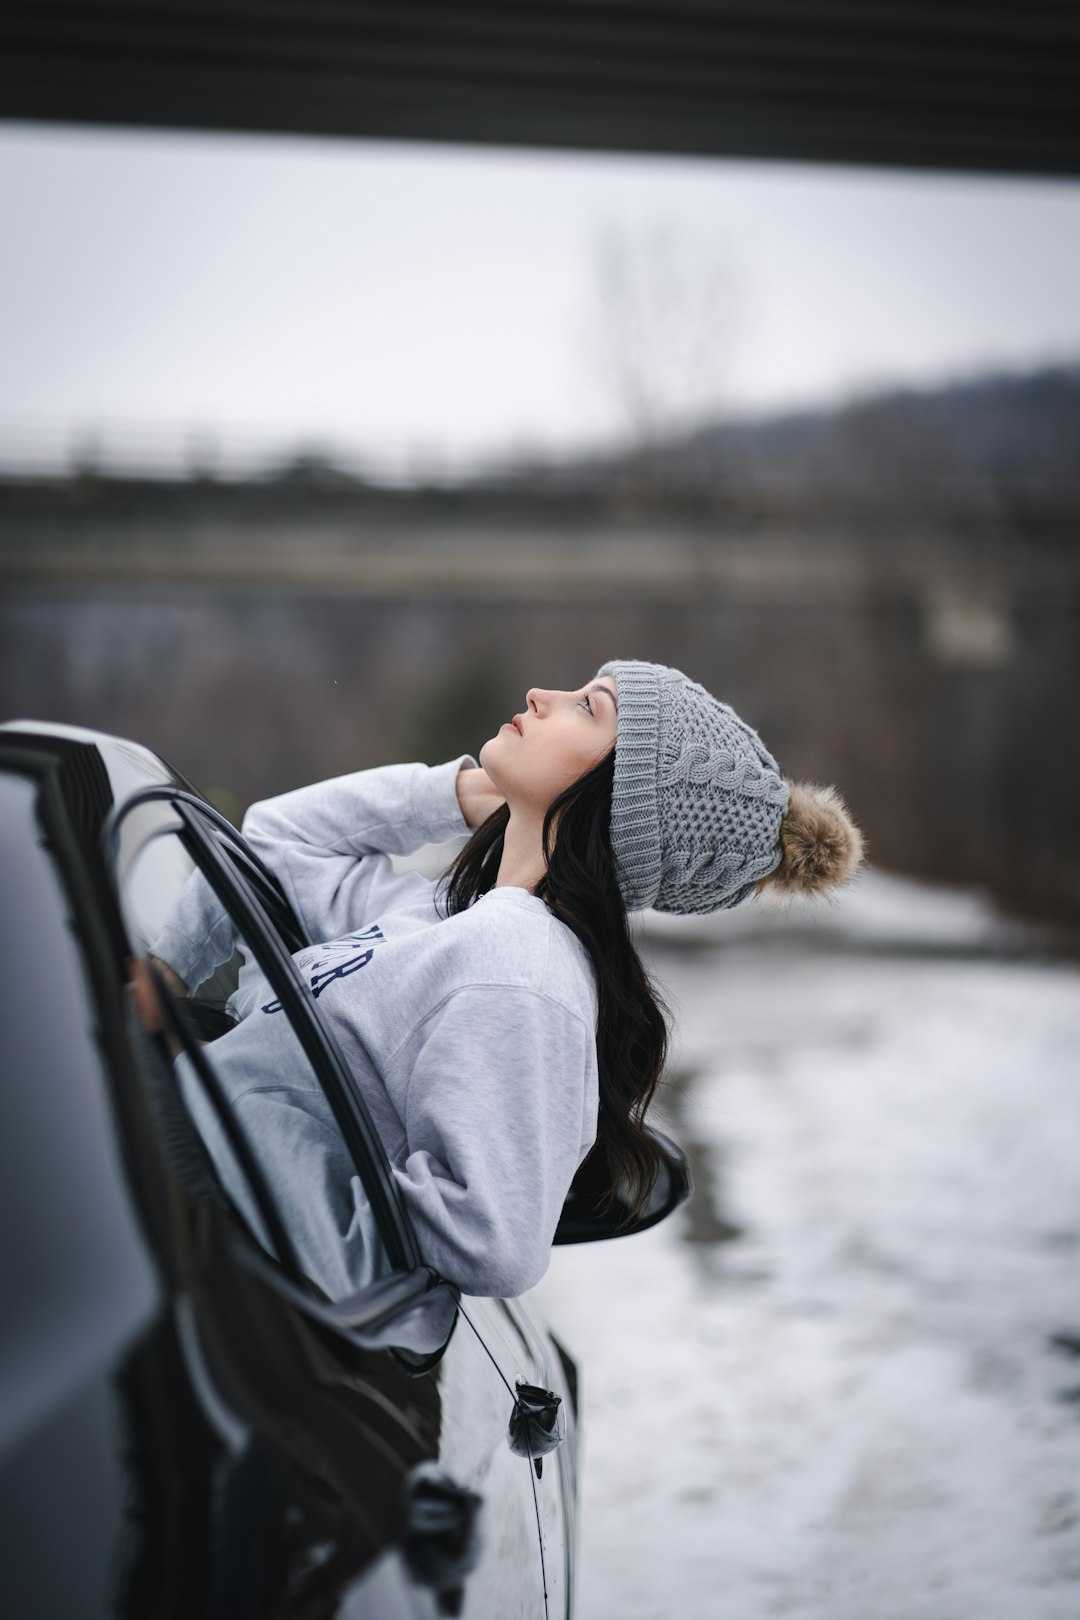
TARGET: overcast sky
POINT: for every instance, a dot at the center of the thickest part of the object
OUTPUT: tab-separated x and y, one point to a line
389	295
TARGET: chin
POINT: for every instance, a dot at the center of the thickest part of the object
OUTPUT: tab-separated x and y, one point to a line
490	757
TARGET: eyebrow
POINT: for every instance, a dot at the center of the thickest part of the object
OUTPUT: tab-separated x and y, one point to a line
598	686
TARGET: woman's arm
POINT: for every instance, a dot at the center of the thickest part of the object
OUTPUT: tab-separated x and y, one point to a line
500	1095
397	807
292	1133
329	843
196	936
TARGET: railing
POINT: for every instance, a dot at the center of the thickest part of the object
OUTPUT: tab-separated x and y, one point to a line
35	449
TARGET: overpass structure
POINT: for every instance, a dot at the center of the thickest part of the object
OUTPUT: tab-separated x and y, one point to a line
990	87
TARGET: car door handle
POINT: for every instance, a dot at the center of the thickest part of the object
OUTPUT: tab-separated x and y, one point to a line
441	1542
537	1423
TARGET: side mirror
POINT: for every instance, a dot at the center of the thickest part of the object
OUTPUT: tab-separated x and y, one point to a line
581	1222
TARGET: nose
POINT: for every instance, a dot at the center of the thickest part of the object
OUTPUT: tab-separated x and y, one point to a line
539	698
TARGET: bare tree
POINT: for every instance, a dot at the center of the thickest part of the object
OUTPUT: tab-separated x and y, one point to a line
663	323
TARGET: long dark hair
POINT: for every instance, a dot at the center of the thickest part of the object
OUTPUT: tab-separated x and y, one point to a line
581	888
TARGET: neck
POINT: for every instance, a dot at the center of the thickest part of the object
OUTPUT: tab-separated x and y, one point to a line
522	864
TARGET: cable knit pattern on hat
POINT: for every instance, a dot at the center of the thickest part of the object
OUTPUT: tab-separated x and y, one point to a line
697	800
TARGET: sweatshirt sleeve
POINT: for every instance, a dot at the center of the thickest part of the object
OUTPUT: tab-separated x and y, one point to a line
330	843
197	934
495	1107
296	1141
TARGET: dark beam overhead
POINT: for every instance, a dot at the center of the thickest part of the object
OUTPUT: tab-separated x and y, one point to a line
927	84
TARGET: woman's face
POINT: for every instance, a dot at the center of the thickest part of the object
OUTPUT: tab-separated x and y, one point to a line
556	739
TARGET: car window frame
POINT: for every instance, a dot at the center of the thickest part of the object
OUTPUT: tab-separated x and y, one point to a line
410	1277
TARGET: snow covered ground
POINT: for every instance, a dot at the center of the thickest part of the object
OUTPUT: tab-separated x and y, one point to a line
838	1385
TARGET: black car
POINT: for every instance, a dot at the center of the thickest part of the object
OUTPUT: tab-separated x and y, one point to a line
188	1425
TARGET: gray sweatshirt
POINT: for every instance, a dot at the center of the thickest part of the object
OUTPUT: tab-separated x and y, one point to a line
472	1039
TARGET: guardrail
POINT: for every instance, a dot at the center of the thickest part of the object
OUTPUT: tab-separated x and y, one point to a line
34	450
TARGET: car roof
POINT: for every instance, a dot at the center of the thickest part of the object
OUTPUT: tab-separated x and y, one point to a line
128	765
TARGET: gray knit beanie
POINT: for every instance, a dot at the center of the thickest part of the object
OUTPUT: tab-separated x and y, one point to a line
697	800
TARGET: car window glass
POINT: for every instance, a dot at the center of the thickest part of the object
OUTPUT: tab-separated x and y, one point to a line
265	885
267	1089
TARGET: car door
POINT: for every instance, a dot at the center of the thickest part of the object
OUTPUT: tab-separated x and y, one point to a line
526	1356
373	1472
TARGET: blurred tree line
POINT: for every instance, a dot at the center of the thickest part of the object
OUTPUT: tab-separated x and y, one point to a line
890	592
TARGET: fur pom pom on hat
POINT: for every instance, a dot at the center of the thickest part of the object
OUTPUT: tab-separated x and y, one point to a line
820	845
701	816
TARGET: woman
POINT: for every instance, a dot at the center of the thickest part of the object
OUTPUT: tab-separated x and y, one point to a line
499	1022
